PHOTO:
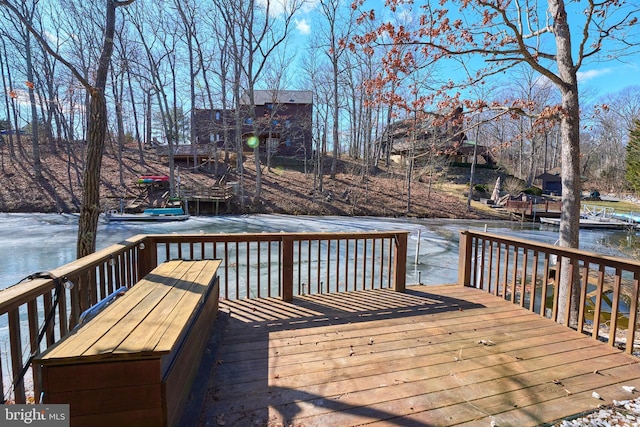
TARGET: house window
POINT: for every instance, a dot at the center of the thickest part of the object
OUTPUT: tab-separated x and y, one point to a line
288	142
287	124
268	106
217	115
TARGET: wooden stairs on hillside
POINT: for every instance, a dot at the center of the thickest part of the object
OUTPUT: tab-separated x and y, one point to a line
139	200
171	202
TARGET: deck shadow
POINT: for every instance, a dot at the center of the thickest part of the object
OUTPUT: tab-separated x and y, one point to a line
261	317
308	311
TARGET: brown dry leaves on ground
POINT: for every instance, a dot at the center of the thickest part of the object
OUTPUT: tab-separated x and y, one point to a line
284	191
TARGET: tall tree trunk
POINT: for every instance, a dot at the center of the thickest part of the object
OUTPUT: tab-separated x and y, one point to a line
96	133
473	168
336	115
37	165
12	153
90	209
321	154
118	94
570	155
135	117
14	111
148	118
190	35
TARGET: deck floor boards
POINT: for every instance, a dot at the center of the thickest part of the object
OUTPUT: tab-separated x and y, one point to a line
433	356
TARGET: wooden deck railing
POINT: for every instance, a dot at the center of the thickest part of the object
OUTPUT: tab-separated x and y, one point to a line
525	273
25	306
287	264
253	265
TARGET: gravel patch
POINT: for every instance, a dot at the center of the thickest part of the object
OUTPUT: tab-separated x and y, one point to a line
620	413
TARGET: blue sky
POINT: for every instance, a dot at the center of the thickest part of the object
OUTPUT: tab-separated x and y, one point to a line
610	77
596	79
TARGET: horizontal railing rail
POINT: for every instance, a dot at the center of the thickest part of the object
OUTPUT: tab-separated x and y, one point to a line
527	273
40	311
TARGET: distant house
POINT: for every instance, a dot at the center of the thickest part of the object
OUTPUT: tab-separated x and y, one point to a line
551	182
432	133
463	153
281	122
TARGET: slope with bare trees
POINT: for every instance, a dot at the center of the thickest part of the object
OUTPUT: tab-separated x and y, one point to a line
285	190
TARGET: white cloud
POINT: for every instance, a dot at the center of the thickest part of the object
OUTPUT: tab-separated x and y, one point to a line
51	38
280	7
310	5
303	26
585	76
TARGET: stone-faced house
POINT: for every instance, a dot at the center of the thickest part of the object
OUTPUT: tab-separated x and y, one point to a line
281	123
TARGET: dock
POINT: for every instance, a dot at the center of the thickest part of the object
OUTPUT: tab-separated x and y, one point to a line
594	223
207	200
532	210
433	356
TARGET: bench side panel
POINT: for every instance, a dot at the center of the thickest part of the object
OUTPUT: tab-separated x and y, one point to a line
182	370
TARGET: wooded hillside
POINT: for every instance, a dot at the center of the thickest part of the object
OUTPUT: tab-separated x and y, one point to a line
286	190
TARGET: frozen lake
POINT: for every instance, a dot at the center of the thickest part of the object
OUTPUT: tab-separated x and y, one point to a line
40	242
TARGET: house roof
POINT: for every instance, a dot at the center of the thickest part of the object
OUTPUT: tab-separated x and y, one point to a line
275	96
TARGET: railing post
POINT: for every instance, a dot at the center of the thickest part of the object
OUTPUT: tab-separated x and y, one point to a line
464	259
15	344
147	256
400	267
287	268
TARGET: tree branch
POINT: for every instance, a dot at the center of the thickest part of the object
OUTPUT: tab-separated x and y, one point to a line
45	45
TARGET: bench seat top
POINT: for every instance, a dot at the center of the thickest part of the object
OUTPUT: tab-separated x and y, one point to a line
146	322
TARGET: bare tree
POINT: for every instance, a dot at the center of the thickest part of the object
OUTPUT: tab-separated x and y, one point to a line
338	29
214	61
232	14
263	33
531	93
608	133
9	94
188	12
129	56
255	31
117	88
22	38
160	49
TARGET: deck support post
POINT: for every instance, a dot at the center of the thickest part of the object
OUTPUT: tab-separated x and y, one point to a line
287	268
464	259
400	267
147	256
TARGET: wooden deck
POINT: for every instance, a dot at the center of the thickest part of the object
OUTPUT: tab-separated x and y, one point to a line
433	356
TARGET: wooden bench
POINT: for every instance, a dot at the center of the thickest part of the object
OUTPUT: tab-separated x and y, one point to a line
133	364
